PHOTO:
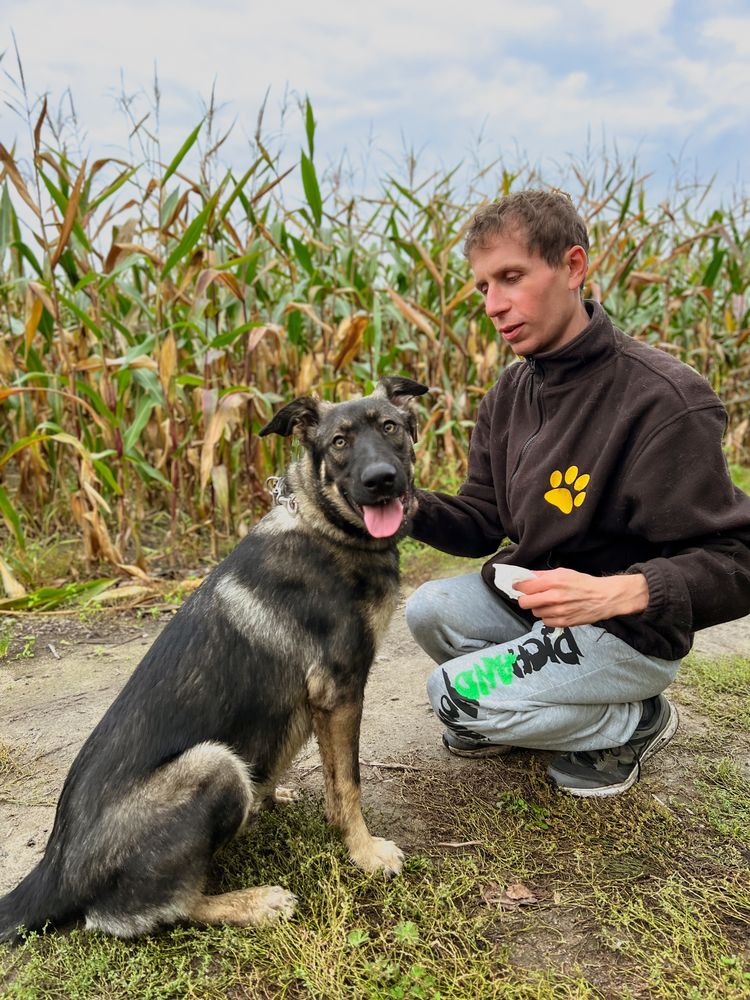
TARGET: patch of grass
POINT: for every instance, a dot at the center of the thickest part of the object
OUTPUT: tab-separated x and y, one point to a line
420	562
725	798
10	762
721	688
633	901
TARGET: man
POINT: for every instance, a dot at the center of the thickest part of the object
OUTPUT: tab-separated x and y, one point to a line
599	458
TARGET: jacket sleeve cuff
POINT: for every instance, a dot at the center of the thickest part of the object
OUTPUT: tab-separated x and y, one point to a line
667	593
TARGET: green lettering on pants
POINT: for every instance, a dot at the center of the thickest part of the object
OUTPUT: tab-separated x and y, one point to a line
481	678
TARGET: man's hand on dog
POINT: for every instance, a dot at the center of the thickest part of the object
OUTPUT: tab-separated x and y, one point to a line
563	597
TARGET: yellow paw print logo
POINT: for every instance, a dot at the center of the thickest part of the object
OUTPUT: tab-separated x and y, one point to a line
572	494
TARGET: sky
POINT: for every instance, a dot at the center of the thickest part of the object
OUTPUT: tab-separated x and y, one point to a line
549	83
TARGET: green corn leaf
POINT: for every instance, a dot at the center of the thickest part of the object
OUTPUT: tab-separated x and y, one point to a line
47	598
105	474
312	190
117	183
11	518
84	317
626	202
20	444
28	255
190	237
303	255
131	435
182	152
148	471
713	269
238	188
310	127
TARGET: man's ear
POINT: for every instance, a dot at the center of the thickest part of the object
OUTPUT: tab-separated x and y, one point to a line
300	417
401	392
578	262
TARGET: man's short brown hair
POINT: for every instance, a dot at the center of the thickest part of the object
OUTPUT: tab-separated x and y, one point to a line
546	220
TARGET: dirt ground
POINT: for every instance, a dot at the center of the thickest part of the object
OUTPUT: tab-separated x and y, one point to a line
50	701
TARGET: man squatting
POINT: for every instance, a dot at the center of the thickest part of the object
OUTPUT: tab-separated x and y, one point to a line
599	458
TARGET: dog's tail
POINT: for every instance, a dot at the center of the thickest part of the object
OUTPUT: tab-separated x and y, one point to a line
34	902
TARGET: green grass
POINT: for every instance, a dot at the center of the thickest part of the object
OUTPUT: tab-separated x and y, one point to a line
635	900
638	896
719	688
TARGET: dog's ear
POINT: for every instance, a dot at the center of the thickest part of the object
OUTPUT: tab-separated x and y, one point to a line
401	392
300	417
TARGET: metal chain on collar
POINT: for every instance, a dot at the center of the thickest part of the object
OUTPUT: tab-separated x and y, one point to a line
276	486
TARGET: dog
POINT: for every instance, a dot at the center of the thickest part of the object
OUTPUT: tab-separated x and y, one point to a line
276	643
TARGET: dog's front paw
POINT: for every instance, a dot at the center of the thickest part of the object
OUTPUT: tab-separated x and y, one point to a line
271	903
379	855
285	796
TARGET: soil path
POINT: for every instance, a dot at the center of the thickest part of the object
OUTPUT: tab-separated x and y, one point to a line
50	702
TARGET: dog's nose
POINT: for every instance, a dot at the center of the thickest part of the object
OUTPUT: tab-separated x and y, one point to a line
379	476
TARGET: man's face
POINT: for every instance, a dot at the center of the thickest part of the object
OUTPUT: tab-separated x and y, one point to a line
534	307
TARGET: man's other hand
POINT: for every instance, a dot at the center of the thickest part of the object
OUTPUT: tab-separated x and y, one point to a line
563	597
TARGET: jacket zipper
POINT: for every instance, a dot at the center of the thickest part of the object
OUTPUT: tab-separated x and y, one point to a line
535	368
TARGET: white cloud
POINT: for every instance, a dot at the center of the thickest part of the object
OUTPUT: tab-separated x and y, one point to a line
733	32
623	18
542	75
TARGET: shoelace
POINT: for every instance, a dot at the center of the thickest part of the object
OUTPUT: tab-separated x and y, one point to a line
589	758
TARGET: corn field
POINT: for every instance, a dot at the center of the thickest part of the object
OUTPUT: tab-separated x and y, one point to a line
150	320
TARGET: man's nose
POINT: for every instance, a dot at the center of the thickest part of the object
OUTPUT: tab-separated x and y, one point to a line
496	302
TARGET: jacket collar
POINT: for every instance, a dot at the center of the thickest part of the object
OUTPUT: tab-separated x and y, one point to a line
593	346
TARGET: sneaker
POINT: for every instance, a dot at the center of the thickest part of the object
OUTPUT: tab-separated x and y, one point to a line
609	772
472	748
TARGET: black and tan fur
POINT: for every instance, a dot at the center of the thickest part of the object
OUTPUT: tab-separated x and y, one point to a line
275	644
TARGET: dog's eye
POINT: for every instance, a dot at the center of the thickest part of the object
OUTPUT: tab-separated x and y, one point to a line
339	441
390	426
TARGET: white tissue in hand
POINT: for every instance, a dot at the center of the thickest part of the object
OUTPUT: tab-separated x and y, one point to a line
505	574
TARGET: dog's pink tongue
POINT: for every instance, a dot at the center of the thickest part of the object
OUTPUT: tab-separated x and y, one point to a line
384	519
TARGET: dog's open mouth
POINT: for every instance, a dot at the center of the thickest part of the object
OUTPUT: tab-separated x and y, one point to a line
381	519
384	519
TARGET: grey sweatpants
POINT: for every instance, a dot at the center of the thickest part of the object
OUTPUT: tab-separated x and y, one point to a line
576	688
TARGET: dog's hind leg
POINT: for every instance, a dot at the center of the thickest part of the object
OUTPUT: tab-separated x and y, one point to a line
244	907
337	730
159	842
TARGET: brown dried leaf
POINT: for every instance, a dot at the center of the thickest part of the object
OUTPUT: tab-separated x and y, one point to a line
464	292
43	295
38	126
429	263
306	375
12	587
350	333
135	571
511	898
32	320
226	414
168	364
257	334
411	315
18	182
211	274
70	215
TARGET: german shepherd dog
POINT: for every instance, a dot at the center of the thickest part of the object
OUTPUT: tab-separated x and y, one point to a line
276	643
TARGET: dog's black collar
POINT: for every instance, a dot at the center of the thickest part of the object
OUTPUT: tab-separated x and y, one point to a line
276	486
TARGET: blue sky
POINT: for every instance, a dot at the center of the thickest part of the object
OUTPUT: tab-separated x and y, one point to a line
666	80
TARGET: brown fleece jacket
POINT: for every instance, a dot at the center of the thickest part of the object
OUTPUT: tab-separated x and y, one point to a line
605	457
